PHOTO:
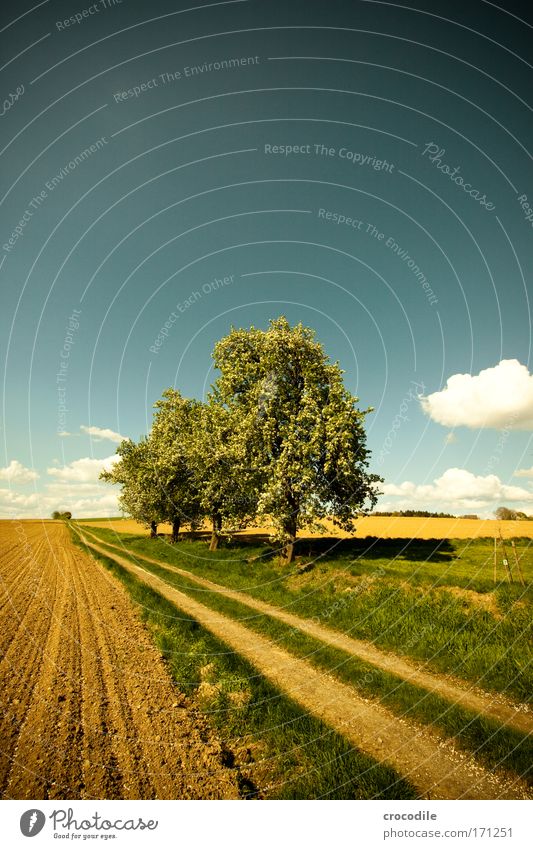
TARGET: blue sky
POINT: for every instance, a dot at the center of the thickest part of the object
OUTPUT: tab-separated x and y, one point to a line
365	173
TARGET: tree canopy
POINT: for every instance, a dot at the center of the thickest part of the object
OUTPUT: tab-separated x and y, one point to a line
141	496
304	434
218	463
505	514
66	515
171	438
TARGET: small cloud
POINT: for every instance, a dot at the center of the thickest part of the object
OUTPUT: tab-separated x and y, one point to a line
63	433
84	470
450	438
524	473
498	397
17	473
100	433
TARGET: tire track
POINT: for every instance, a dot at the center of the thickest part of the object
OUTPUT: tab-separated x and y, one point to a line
431	764
493	706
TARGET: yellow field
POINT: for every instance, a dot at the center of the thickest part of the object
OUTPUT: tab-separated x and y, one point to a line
395	527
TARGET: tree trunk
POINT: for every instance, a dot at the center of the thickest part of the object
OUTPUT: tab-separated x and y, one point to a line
215	532
175	530
153	530
288	552
288	549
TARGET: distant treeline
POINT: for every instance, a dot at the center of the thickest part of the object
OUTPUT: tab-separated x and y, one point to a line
503	514
426	514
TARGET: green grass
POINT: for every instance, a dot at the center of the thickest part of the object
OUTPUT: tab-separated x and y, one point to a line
280	751
495	746
405	597
107	519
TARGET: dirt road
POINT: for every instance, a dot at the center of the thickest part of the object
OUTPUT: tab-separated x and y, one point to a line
88	709
494	706
435	768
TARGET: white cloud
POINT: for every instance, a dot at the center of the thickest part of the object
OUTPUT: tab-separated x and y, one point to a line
456	490
73	487
102	501
105	504
84	470
450	438
499	397
16	501
17	473
99	433
524	473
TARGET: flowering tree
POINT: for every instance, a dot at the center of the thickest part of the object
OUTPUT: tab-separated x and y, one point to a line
302	432
171	438
141	497
217	458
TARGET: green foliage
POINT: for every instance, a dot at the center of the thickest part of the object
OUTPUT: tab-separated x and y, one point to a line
141	496
66	515
171	440
227	486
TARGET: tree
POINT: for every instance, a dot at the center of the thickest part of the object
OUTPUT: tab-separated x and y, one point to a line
141	497
66	515
504	514
187	469
171	437
301	429
217	459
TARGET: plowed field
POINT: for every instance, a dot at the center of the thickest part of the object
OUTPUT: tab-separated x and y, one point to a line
88	709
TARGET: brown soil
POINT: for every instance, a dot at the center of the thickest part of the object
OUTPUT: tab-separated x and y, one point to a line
434	767
495	706
88	707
